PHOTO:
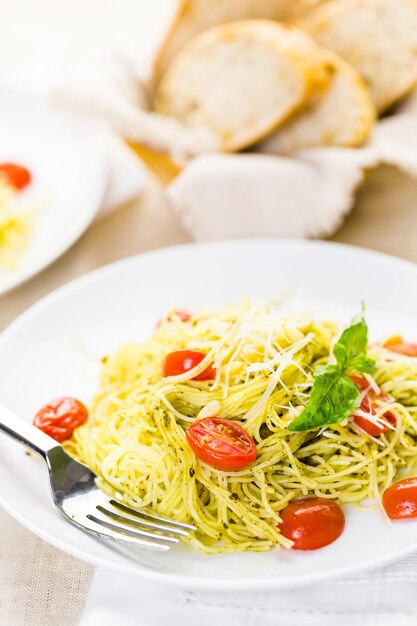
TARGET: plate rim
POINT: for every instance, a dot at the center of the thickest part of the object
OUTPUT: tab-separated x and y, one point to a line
141	571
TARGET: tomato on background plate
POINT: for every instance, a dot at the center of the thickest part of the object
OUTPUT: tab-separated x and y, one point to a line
400	500
369	405
182	361
183	316
221	443
396	344
60	417
16	175
312	523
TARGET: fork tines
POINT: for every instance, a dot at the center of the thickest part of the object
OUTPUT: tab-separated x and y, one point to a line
119	522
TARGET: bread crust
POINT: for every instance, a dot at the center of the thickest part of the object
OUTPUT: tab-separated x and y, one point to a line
194	16
343	117
386	57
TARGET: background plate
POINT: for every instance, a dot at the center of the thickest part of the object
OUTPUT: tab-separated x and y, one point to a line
55	347
67	160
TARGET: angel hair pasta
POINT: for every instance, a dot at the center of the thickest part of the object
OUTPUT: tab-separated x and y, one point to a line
266	371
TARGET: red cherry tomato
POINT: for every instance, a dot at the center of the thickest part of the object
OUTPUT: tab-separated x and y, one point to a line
312	523
184	316
400	347
184	360
16	175
221	443
400	500
60	417
368	405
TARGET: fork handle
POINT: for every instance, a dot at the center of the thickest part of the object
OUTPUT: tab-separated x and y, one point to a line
26	434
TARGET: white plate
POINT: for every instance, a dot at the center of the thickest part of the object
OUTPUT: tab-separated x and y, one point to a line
54	349
69	168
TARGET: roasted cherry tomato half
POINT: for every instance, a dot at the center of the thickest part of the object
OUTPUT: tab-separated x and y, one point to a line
184	360
60	417
16	175
400	500
183	316
221	443
312	523
369	405
401	347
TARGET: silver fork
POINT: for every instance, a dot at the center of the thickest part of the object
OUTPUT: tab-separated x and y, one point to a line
82	503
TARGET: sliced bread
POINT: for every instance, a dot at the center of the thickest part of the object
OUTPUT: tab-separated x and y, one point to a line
342	117
377	37
242	80
195	16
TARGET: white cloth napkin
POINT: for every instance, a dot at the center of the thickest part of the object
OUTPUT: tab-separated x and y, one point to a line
382	598
220	196
308	195
126	174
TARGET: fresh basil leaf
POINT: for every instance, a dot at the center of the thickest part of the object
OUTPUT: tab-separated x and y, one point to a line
334	395
350	350
333	398
321	370
362	363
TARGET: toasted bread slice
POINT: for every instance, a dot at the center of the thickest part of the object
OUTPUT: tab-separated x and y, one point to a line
195	16
342	117
242	80
377	37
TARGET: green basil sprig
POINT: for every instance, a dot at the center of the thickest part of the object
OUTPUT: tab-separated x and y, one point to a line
334	395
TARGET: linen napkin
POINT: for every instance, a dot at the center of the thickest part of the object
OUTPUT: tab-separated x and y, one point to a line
222	196
377	599
126	174
307	195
